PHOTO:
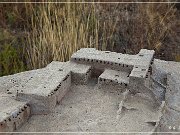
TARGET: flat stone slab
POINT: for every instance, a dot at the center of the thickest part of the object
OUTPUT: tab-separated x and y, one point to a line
43	83
161	68
38	87
43	89
167	66
8	82
13	114
80	72
69	66
139	72
109	76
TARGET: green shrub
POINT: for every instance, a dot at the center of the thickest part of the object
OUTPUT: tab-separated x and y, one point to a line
9	61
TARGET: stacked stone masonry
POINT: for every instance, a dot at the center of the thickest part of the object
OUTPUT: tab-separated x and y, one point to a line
39	91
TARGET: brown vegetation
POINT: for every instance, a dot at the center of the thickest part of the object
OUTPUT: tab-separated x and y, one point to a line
36	34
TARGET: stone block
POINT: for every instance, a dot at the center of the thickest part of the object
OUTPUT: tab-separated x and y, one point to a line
112	77
41	92
13	114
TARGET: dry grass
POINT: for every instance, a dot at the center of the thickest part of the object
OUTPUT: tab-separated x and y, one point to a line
60	30
141	25
55	31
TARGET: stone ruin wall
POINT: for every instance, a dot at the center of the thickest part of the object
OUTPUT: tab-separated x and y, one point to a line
39	91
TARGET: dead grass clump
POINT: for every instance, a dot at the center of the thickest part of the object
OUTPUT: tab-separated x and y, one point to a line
142	26
59	30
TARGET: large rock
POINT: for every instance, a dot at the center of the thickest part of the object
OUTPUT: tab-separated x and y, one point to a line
171	115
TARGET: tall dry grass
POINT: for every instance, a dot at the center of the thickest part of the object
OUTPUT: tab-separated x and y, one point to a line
141	25
47	32
59	30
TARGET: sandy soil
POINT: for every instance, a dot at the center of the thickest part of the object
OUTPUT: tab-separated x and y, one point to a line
88	108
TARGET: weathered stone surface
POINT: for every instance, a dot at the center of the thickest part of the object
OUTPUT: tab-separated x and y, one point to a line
171	115
142	85
169	121
112	77
113	60
8	82
137	66
161	68
158	90
80	73
42	91
13	114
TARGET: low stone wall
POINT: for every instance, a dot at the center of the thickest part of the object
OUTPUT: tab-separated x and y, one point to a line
39	91
14	116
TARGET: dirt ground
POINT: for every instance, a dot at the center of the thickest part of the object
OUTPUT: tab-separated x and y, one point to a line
88	108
